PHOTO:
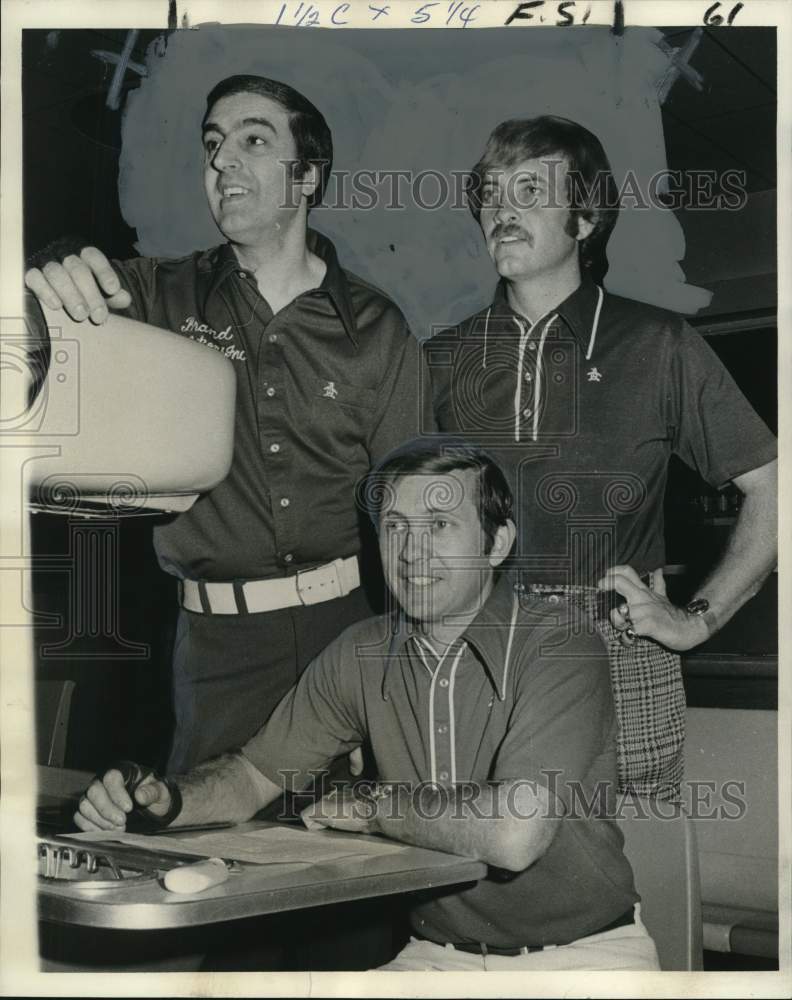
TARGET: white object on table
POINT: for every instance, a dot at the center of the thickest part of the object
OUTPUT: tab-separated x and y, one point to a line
195	878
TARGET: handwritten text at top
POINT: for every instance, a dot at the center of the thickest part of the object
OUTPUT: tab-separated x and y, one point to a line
307	15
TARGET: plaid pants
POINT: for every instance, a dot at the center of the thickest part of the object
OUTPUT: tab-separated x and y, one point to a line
649	698
650	705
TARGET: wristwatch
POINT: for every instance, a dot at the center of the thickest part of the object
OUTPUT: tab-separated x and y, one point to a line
698	606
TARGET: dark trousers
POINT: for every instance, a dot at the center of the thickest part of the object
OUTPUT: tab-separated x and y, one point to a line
230	671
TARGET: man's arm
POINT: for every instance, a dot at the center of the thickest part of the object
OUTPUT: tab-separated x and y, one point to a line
752	549
315	722
751	554
227	788
509	824
405	403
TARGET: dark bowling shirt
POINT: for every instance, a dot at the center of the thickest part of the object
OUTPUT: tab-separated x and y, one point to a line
543	712
325	387
590	484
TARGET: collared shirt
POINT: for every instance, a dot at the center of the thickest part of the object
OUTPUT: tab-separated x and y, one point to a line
584	409
524	694
325	387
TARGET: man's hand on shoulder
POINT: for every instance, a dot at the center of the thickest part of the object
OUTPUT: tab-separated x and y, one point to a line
106	802
85	286
647	611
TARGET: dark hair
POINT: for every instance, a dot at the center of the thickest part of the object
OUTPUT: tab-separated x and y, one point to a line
591	188
442	457
312	137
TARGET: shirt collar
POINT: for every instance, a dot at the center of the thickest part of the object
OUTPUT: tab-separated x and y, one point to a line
219	263
222	261
491	632
488	635
577	310
334	283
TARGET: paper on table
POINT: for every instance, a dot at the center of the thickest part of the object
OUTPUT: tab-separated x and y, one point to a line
269	845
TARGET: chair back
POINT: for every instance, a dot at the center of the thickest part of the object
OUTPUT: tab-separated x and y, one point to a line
53	706
660	844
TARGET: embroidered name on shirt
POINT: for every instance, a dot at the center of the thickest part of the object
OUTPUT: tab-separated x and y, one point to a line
193	327
330	391
594	375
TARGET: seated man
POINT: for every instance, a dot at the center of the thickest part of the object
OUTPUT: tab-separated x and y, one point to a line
493	729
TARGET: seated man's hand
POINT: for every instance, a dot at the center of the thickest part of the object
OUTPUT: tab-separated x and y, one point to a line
356	762
84	286
341	809
106	802
648	612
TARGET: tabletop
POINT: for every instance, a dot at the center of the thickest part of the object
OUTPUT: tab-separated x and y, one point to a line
259	889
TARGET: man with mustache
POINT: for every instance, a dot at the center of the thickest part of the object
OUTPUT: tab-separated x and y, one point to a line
584	396
268	561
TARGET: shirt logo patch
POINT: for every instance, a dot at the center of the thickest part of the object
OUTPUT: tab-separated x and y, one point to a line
594	375
202	333
330	391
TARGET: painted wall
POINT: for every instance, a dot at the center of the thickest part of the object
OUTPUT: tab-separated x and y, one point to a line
417	101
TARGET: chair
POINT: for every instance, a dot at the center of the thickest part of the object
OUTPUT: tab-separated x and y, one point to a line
664	858
53	705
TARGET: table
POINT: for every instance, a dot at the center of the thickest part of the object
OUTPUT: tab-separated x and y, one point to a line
257	889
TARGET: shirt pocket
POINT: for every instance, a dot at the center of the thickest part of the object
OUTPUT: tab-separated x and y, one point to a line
342	415
331	393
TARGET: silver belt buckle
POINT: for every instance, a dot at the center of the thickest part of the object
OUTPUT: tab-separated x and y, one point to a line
325	584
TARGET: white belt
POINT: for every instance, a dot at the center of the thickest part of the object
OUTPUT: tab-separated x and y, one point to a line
312	586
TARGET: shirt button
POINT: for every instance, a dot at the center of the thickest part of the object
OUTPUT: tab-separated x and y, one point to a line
527	413
443	776
273	338
532	346
270	391
274	448
242	274
444	682
528	376
285	502
442	729
288	557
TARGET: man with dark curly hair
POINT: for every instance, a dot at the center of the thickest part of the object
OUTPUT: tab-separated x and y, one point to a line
327	374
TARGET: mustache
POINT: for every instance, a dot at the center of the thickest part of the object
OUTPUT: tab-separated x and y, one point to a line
502	230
